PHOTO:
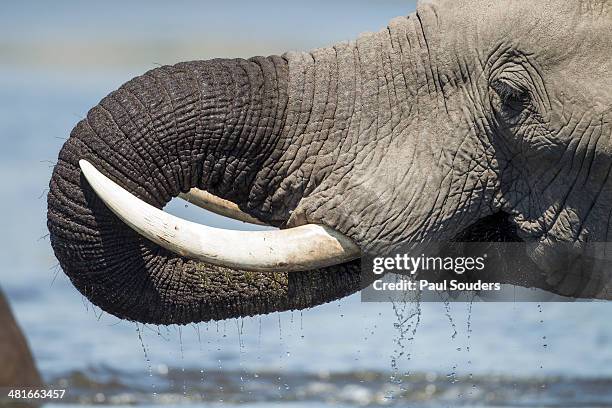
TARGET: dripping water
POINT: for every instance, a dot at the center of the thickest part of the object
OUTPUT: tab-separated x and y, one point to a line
301	324
241	351
407	313
180	332
452	376
219	337
449	316
469	343
148	361
259	334
280	328
544	343
240	328
201	350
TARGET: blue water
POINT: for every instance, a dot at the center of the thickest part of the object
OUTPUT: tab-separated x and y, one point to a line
346	353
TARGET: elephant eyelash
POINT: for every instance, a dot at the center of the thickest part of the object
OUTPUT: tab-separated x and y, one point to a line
509	93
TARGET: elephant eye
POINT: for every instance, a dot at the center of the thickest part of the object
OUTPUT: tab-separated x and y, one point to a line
512	99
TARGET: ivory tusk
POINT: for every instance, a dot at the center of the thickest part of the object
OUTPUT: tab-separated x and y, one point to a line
294	249
218	205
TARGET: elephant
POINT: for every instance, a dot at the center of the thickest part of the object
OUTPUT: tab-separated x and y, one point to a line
475	118
18	367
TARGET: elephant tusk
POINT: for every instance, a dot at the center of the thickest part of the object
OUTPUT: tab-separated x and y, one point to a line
294	249
218	205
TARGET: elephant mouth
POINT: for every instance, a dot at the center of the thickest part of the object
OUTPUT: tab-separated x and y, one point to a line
496	227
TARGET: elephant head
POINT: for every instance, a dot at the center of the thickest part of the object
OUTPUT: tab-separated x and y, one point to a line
461	112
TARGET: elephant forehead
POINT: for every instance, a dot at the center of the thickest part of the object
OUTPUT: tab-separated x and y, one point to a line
590	9
551	28
569	43
588	66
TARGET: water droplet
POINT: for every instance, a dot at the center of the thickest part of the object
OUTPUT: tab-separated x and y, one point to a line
147	359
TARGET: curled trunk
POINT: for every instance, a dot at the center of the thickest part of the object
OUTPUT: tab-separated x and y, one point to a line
215	125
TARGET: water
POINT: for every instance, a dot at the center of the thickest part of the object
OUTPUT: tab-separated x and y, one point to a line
342	354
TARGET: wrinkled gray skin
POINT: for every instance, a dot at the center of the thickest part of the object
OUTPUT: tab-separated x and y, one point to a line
462	110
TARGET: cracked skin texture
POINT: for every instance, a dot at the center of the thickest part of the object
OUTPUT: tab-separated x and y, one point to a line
449	115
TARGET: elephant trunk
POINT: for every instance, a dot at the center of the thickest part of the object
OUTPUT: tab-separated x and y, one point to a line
206	124
290	140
